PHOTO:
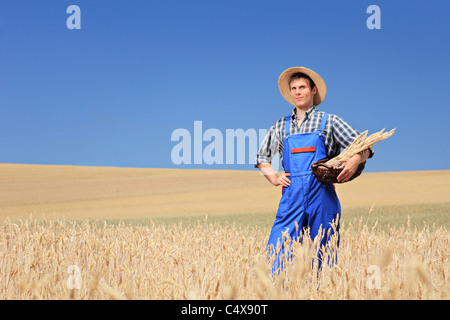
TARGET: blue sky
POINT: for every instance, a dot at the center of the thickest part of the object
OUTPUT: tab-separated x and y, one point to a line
112	93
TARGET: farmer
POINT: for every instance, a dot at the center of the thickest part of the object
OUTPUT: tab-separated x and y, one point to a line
302	138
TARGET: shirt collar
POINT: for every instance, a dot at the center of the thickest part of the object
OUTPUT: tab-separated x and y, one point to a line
307	113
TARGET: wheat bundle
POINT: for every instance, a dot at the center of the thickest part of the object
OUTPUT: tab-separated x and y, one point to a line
362	142
327	171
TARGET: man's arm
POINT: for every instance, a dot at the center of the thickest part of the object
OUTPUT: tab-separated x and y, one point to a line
267	170
344	135
269	147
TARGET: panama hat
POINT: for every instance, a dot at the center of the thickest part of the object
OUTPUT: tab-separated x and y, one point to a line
283	84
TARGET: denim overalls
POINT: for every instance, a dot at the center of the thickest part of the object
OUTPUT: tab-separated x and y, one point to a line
309	203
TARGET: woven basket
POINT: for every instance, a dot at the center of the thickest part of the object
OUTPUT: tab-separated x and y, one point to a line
328	174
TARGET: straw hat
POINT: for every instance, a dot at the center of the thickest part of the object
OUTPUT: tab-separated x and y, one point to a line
283	84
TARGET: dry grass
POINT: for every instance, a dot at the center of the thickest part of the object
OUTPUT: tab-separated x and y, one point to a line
205	260
212	261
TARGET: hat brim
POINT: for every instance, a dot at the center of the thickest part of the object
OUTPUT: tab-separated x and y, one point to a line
285	90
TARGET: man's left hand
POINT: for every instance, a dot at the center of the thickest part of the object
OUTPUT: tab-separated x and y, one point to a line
351	165
349	169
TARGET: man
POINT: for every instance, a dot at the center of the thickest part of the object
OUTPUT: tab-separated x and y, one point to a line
302	138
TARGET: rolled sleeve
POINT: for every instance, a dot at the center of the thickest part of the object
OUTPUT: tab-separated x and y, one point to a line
269	147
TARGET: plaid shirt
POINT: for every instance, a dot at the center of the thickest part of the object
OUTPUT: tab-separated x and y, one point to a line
338	134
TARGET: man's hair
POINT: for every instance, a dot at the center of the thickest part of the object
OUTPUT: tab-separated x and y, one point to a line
301	75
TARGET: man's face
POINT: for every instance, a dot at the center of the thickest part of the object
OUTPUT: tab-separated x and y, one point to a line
302	94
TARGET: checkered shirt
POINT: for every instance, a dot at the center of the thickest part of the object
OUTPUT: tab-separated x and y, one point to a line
338	134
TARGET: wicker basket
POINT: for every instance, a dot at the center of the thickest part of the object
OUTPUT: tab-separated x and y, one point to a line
328	174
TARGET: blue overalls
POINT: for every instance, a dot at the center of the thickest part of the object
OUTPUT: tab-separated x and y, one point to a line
309	203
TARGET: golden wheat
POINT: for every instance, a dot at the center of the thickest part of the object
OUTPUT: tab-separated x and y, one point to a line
362	142
213	261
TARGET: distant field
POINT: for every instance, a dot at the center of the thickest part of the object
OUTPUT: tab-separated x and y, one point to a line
245	197
419	216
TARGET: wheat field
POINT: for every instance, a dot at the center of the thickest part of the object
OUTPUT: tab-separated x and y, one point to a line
60	260
51	248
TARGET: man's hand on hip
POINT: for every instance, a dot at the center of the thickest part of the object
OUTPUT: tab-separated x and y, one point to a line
267	170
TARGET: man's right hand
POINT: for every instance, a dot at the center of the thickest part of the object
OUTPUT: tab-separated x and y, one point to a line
284	180
267	170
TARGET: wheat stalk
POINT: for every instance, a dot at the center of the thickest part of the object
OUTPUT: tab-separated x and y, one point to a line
215	261
361	143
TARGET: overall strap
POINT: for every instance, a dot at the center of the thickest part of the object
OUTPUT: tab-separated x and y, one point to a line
287	125
323	122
